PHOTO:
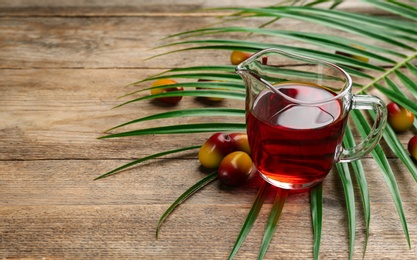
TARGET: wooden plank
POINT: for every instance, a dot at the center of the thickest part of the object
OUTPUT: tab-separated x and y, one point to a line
126	42
92	42
54	209
53	113
67	182
111	42
140	7
60	113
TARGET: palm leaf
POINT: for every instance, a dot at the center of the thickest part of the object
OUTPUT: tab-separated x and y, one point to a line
278	204
191	93
376	33
411	68
316	204
311	38
345	22
210	76
397	147
355	18
251	218
388	175
399	8
218	84
188	193
226	71
408	82
181	129
341	60
399	98
237	85
250	46
362	183
344	174
389	134
218	68
389	72
196	112
146	158
386	170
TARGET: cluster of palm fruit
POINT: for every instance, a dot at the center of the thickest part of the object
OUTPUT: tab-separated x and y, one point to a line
230	154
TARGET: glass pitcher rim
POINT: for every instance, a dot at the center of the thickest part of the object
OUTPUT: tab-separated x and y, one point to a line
347	84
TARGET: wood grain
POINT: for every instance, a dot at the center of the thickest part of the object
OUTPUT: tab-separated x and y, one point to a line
53	208
140	7
100	42
64	65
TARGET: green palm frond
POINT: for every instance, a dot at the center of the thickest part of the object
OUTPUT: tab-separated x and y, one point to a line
316	204
192	93
181	129
360	176
146	158
387	43
344	174
397	7
196	112
188	193
276	211
251	218
386	170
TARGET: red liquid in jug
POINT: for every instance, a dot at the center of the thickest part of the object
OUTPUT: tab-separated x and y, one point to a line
292	143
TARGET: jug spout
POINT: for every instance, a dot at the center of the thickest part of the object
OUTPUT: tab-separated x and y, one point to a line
248	68
255	72
249	78
243	73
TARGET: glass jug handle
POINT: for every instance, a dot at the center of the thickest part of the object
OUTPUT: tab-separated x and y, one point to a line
366	102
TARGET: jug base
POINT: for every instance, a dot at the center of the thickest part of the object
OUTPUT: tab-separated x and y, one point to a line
289	186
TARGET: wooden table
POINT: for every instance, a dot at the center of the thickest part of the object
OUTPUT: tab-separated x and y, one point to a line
63	67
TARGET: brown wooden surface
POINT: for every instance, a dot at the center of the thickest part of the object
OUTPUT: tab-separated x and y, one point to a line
63	65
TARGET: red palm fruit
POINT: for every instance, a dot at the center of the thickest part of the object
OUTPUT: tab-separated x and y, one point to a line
166	100
215	149
235	168
238	56
240	142
399	118
412	147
